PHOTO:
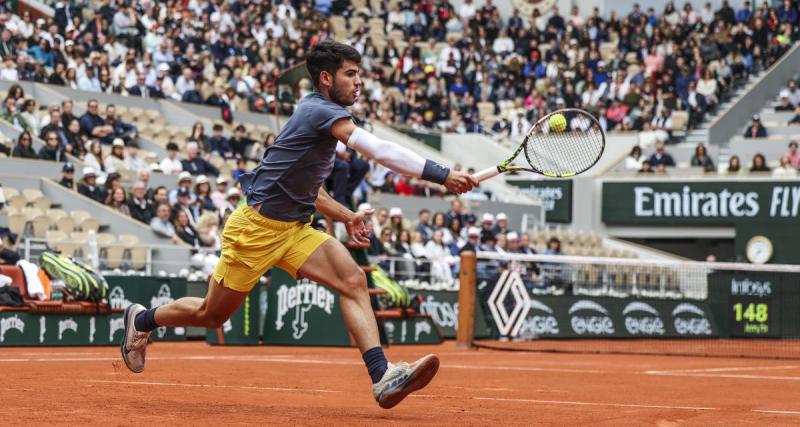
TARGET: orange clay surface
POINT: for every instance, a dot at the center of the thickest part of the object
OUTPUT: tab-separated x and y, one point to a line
196	384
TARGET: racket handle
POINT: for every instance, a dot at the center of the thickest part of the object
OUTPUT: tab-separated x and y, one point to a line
487	173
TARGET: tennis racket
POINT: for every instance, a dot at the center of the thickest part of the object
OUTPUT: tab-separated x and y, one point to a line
561	144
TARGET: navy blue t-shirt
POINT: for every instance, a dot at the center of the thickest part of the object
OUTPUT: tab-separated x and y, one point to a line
288	179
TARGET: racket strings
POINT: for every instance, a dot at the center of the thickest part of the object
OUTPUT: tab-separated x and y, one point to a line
556	148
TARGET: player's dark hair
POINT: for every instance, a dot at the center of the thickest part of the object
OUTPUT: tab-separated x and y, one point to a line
329	56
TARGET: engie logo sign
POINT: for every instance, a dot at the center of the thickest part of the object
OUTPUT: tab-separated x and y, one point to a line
699	202
642	319
541	321
690	319
590	318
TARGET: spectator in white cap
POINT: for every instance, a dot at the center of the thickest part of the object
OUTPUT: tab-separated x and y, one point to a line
487	225
473	240
202	192
395	221
513	241
116	161
501	224
170	164
184	182
232	197
756	128
218	196
88	185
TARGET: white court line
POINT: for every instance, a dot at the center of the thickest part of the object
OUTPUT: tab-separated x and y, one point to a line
729	369
765	411
269	359
211	386
733	376
618	405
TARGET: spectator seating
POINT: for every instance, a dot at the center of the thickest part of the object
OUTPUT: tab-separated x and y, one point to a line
29	214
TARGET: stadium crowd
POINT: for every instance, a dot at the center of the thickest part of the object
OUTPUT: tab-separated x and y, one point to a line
430	246
432	67
660	162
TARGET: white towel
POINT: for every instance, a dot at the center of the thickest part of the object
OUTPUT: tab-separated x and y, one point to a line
4	281
31	272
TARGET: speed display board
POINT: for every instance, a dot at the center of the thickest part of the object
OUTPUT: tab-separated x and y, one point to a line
751	303
754	309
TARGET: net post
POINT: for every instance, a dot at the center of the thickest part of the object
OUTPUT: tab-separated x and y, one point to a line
466	301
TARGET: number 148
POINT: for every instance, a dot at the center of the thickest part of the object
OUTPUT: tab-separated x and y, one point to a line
751	312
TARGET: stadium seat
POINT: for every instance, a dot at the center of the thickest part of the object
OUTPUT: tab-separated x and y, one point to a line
55	238
138	257
31	194
31	213
42	203
78	216
128	240
16	223
114	254
89	224
56	214
485	109
105	239
17	201
65	224
10	192
680	119
41	224
80	240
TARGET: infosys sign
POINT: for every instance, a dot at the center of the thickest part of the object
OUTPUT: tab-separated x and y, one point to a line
587	317
714	202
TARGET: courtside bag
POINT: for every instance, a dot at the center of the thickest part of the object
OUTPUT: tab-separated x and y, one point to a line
82	283
396	295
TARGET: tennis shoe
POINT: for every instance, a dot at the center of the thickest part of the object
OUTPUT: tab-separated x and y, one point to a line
134	343
402	379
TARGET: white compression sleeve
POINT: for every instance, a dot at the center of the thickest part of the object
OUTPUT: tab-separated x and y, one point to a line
389	154
397	157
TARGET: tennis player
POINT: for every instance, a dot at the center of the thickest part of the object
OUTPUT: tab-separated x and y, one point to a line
273	229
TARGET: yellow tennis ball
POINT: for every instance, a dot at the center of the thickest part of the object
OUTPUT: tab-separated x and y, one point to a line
558	122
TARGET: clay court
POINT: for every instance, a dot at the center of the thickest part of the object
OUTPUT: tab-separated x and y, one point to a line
196	384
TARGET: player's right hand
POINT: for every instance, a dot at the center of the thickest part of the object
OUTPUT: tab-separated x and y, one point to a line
357	228
460	182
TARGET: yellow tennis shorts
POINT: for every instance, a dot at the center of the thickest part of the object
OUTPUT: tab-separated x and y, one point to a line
252	243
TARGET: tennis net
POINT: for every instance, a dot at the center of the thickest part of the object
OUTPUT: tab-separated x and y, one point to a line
611	305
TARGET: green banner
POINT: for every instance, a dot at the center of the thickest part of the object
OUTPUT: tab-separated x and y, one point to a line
417	330
242	327
556	195
22	328
442	306
700	202
604	317
302	313
150	292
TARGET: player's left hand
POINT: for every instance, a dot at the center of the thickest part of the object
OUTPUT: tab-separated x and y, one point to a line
357	228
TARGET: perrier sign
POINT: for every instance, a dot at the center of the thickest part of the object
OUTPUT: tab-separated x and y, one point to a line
302	312
700	202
